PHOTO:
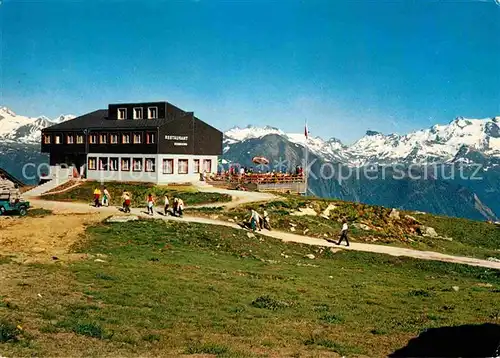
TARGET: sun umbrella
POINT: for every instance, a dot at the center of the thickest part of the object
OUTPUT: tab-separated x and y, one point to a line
260	160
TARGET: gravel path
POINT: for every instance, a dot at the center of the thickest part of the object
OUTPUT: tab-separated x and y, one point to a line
241	197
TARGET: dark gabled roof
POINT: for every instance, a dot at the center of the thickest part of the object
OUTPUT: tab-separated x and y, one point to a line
12	178
98	120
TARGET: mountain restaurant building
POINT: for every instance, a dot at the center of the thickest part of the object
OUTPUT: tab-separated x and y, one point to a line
147	142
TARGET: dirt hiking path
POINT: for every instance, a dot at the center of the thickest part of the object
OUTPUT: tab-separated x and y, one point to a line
247	197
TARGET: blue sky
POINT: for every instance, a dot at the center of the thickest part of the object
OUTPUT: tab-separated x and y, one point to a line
346	66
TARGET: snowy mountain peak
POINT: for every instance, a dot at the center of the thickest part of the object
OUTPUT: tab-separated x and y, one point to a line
463	139
23	129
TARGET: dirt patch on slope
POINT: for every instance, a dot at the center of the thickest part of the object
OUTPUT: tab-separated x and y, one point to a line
40	239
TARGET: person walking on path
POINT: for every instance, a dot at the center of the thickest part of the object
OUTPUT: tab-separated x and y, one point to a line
180	207
126	201
106	197
254	220
151	204
343	233
97	197
167	204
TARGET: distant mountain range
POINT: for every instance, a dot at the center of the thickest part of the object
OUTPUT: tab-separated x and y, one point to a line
470	145
462	140
26	130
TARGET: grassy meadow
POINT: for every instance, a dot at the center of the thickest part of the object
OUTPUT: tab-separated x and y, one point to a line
139	193
157	288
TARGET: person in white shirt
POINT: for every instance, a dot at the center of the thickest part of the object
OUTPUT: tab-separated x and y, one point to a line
106	197
180	207
343	233
254	220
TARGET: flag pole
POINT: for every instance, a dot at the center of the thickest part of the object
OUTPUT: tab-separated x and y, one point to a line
306	171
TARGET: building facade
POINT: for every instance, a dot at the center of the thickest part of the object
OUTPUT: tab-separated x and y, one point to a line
140	142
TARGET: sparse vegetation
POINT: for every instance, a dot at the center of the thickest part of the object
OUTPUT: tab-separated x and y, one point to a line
213	290
373	224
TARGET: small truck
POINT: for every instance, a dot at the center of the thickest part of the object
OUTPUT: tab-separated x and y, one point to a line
14	206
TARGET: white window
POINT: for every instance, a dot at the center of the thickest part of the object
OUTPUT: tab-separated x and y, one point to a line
93	139
57	139
137	138
196	168
79	139
126	138
150	138
103	163
122	113
182	166
138	113
103	138
126	164
92	163
150	165
152	112
113	164
113	138
207	165
137	164
46	139
168	166
70	139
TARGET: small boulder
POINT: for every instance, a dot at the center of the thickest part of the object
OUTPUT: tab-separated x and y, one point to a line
361	226
326	212
310	256
412	219
456	288
231	220
428	231
251	235
99	260
292	229
394	215
304	212
122	218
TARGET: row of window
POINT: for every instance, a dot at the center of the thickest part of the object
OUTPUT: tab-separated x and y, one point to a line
135	138
148	165
137	113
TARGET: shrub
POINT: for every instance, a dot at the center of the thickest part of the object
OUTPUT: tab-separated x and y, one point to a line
269	303
9	332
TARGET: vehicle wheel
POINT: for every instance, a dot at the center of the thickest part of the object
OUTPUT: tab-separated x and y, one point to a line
23	211
2	210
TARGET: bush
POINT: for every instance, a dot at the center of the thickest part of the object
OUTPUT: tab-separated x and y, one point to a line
9	332
269	303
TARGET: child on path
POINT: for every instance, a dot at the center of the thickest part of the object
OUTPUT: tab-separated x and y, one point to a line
97	197
126	201
151	203
106	197
180	207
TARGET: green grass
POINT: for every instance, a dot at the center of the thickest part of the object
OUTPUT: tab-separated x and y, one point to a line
139	193
178	288
38	213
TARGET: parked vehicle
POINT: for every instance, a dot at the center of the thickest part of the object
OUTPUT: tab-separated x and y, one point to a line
16	206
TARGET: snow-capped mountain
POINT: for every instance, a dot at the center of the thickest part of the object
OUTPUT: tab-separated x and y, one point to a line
460	140
21	129
331	149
